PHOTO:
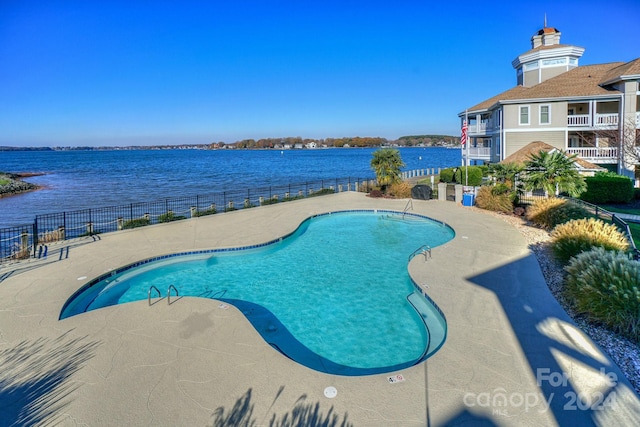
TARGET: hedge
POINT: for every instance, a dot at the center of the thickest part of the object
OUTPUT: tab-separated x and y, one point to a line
608	188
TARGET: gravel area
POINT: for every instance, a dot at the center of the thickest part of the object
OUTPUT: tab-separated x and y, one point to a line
625	353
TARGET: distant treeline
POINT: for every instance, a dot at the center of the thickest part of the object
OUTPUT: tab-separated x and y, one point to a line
278	143
357	141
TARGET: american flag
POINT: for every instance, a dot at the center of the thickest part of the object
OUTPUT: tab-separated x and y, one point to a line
463	138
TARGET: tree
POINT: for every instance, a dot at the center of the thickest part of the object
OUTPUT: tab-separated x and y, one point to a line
386	164
505	173
554	172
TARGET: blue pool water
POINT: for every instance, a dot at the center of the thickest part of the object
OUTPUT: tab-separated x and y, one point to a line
333	295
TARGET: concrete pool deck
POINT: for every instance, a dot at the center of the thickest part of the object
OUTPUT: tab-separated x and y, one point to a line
512	355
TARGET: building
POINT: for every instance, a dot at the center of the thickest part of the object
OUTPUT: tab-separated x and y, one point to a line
592	110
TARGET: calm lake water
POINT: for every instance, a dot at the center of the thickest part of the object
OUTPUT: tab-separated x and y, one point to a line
91	179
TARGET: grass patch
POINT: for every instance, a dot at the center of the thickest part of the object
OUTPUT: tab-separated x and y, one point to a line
618	209
635	232
4	181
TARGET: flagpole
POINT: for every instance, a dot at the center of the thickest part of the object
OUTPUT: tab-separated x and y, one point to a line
466	169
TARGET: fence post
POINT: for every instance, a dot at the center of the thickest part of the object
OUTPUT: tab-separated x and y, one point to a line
24	244
120	223
193	211
35	236
90	228
261	200
247	203
61	232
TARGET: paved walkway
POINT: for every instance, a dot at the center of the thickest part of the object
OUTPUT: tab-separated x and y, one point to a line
512	356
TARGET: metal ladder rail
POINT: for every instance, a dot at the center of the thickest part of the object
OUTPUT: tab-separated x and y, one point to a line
408	206
424	250
149	293
169	293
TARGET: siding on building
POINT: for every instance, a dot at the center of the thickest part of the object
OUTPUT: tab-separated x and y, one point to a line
517	140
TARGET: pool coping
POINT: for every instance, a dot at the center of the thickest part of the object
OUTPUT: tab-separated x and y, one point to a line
195	362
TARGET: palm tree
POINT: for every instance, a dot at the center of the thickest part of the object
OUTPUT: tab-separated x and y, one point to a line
506	173
386	163
555	172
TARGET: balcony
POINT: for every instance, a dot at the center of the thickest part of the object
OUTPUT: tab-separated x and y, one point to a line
476	128
596	154
483	153
638	119
601	120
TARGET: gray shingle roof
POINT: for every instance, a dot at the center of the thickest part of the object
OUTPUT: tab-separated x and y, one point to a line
581	81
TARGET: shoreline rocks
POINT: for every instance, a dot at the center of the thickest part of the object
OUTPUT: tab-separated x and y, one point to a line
15	185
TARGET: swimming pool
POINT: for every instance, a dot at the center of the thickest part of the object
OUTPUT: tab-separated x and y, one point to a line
334	295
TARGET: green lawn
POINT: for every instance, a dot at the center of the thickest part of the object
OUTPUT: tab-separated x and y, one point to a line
635	232
632	211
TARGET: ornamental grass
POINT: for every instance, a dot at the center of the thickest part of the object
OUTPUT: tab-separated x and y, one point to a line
580	235
399	190
488	199
605	286
548	213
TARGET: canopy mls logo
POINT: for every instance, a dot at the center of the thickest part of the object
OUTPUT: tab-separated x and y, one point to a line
501	402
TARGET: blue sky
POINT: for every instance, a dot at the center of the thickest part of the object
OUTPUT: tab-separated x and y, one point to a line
169	72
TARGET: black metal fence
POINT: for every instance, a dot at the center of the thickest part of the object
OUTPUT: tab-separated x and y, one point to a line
25	241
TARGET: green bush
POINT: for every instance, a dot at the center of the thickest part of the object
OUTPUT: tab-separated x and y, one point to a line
608	188
636	193
581	235
322	192
135	223
446	175
501	202
206	212
469	175
170	216
553	211
605	286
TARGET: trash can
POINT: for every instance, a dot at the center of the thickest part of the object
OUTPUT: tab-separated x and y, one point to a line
467	199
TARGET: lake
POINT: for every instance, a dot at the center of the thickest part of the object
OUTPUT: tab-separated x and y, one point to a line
75	180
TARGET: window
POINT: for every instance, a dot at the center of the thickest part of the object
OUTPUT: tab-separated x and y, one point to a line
545	114
524	115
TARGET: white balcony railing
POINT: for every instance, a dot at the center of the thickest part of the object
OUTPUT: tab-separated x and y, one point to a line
478	127
638	119
478	152
607	119
578	120
595	153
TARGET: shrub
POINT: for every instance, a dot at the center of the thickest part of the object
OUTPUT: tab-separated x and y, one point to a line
553	211
469	175
375	193
206	212
446	175
486	199
605	286
581	235
135	223
608	188
169	216
322	192
399	190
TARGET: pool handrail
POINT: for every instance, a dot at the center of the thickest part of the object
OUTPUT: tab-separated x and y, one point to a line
424	250
149	293
169	293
